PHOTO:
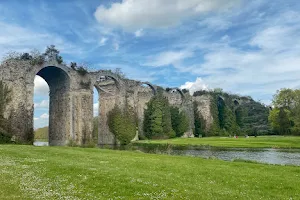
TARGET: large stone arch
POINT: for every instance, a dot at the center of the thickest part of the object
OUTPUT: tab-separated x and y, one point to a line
110	94
154	90
175	100
59	83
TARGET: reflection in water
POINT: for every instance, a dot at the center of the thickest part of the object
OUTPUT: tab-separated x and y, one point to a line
270	156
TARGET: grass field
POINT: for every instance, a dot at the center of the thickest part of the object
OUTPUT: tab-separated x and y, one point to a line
28	172
241	142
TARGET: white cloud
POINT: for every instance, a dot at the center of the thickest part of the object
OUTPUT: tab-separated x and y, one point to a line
136	14
43	104
139	33
40	86
168	57
18	38
251	71
44	116
103	41
41	121
277	38
195	86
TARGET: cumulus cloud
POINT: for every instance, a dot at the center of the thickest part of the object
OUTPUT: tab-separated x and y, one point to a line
136	14
195	86
40	86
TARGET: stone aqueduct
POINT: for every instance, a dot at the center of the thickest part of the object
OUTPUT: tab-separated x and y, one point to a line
71	101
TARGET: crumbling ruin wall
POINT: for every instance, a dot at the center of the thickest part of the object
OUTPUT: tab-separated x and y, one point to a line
184	103
71	102
70	109
203	104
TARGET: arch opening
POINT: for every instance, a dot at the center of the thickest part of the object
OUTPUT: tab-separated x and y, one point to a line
59	108
176	91
236	102
41	111
96	117
148	85
108	90
108	79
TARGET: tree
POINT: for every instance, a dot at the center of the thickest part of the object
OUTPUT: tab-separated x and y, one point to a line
279	120
119	73
157	118
284	98
52	53
239	114
122	124
198	122
180	121
285	117
183	125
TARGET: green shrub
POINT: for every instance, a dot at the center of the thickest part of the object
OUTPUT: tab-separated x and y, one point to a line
4	138
122	124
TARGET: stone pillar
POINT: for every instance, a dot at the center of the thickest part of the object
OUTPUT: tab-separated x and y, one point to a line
82	117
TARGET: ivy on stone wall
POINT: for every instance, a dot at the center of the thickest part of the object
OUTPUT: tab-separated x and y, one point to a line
199	123
5	98
231	118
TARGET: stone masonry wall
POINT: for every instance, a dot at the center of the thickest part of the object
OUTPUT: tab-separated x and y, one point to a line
71	101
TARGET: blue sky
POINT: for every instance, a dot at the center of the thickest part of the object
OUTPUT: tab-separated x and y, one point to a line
245	47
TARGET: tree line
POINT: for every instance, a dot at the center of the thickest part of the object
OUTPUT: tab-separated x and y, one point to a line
285	114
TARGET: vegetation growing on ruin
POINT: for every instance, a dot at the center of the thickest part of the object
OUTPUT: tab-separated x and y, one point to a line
5	98
199	122
234	114
29	172
35	57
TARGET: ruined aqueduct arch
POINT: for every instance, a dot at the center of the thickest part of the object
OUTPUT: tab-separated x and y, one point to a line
71	100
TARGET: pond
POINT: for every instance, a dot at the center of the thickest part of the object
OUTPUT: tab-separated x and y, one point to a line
269	156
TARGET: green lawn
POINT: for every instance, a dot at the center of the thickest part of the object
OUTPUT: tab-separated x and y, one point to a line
241	142
28	172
